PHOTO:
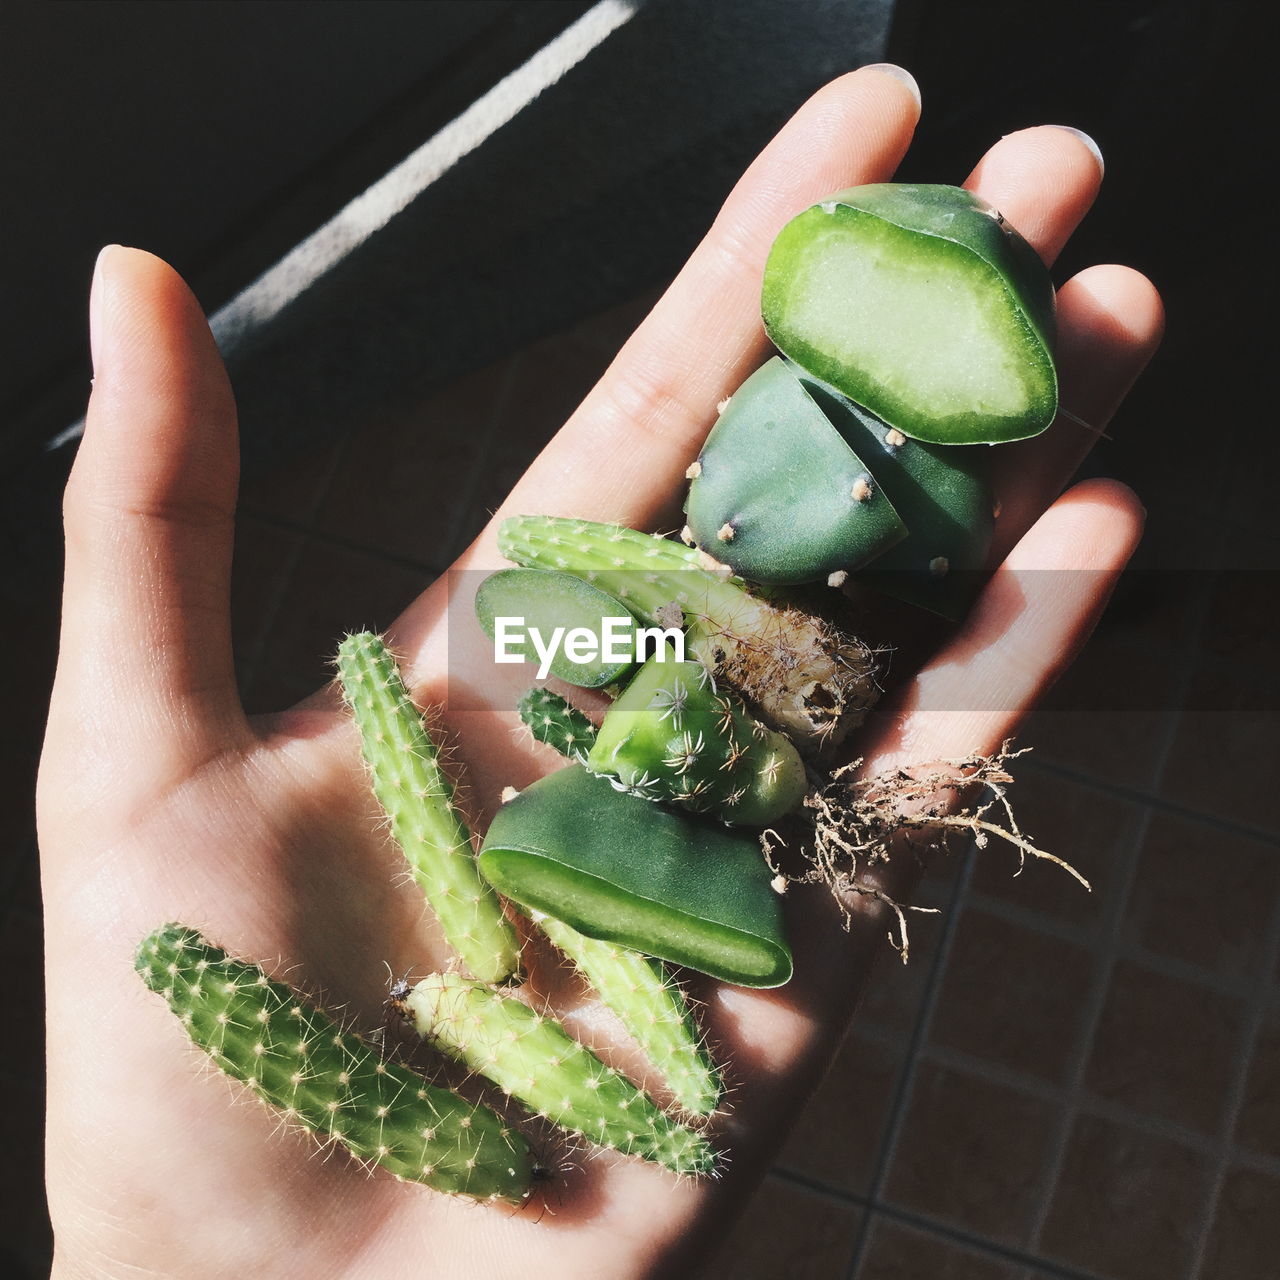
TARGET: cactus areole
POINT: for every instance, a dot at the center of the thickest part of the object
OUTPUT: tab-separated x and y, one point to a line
923	305
796	483
623	869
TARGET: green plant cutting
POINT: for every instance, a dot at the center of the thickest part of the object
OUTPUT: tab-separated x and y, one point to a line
914	328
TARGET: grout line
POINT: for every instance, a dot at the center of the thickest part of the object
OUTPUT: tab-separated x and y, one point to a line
827	1190
915	1042
1125	792
1166	966
324	538
1074	1093
1198	625
253	662
1226	1150
935	1227
980	1244
1103	1108
497	413
1110	941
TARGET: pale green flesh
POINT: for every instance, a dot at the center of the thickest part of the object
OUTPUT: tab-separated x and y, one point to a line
924	327
582	900
549	601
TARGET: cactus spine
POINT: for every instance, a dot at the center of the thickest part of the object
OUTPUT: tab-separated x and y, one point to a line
299	1061
651	1006
553	720
418	799
803	675
532	1058
672	737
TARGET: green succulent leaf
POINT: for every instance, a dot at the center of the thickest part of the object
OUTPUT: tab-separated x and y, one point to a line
922	304
549	600
622	869
944	496
779	495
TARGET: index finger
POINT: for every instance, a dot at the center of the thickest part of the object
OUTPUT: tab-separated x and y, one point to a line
622	454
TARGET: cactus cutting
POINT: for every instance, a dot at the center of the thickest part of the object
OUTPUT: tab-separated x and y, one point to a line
651	1006
712	762
554	721
671	736
326	1079
802	674
923	305
623	869
532	1058
418	799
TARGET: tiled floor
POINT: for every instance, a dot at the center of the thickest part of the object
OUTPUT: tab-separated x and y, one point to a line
1060	1084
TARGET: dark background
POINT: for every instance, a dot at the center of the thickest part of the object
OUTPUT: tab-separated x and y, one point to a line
1052	1088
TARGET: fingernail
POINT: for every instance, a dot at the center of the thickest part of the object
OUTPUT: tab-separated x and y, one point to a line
96	294
900	74
1088	142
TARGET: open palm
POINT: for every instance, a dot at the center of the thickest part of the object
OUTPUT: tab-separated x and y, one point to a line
160	800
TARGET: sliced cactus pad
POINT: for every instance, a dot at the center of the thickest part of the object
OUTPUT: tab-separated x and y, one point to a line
922	304
625	870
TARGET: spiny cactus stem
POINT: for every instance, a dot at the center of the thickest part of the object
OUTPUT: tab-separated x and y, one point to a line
532	1058
553	720
327	1079
652	1007
801	674
418	799
671	736
648	573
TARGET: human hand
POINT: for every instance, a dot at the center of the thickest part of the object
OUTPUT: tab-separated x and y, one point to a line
159	799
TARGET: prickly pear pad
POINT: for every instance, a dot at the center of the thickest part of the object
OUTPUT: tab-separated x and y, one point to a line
922	304
778	495
942	493
625	870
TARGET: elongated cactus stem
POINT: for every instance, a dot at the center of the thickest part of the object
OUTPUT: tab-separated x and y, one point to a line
418	798
798	672
532	1058
329	1081
652	1007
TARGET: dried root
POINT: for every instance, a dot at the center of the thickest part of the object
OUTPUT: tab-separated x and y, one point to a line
859	823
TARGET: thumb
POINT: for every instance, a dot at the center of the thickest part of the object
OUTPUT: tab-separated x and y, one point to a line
145	658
